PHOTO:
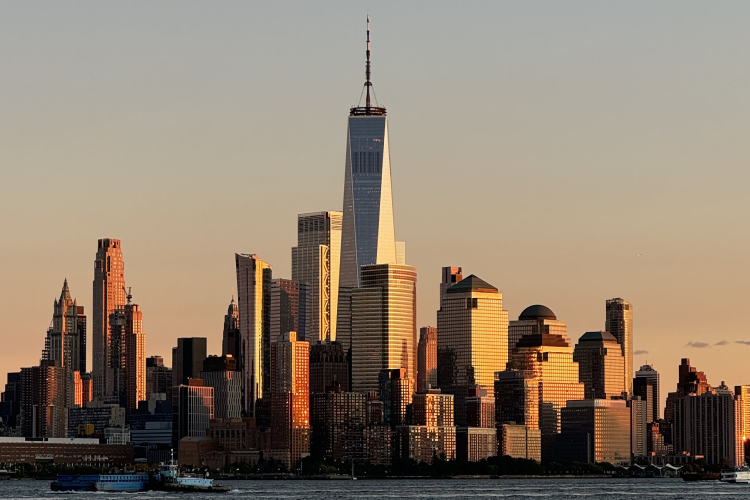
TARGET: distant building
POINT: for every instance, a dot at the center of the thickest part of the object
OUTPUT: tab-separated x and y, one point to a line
97	415
600	365
192	409
43	410
395	390
288	307
427	359
329	366
231	338
475	443
64	451
472	340
649	373
384	326
519	441
158	378
620	324
480	409
534	320
644	389
639	418
433	409
187	359
595	430
220	372
10	401
433	434
338	425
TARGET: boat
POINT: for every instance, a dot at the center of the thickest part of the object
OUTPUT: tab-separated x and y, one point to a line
168	478
736	475
700	476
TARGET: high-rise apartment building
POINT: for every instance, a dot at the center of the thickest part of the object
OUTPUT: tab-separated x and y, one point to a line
384	324
254	296
472	340
434	432
315	262
231	340
395	390
135	356
329	367
639	418
220	372
187	359
290	397
10	401
368	234
193	409
534	320
109	295
427	359
620	324
158	378
480	409
43	409
690	381
648	372
600	365
338	424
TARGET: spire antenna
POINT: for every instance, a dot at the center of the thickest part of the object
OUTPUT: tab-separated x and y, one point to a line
368	83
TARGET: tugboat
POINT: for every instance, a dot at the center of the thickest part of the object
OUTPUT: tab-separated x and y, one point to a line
167	479
736	475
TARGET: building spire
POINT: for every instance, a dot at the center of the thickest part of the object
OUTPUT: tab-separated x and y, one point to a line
368	83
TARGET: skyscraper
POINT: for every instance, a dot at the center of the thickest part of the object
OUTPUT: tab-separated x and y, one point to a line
43	410
600	365
427	359
231	344
620	324
472	340
315	261
368	234
288	307
187	359
254	297
384	324
329	367
648	372
220	372
534	320
109	294
135	355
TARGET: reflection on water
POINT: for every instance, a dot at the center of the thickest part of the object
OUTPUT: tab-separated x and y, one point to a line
425	489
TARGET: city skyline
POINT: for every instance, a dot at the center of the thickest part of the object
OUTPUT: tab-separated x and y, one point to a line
580	271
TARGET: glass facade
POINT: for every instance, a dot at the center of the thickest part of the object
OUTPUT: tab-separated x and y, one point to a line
600	365
620	324
607	425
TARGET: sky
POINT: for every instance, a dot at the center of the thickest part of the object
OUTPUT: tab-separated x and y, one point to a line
540	145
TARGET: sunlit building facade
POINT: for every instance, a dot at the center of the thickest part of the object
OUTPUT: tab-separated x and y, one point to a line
315	262
384	325
595	430
427	358
254	296
600	365
619	323
109	295
472	340
534	320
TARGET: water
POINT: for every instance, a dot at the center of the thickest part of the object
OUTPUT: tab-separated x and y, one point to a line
521	489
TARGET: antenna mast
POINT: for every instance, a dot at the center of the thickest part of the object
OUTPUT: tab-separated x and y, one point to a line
368	83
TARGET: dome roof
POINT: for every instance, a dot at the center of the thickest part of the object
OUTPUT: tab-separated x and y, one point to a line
537	311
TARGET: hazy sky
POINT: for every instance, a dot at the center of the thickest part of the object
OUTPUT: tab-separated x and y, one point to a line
540	145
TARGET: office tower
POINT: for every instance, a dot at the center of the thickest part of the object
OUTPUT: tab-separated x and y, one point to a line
43	410
64	337
135	355
451	275
329	367
254	297
395	390
338	421
595	430
290	397
368	234
158	378
620	324
192	409
480	409
220	372
548	359
427	359
231	339
519	441
10	401
472	339
315	262
109	295
288	307
534	320
648	372
600	365
644	389
187	359
710	424
690	381
434	432
639	418
384	324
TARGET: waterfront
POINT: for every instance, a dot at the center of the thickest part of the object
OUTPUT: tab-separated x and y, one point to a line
521	489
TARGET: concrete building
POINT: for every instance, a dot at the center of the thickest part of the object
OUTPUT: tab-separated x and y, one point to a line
315	262
421	443
519	441
475	443
427	359
472	340
193	409
338	421
383	324
480	409
329	367
534	320
600	365
43	410
220	372
254	295
639	419
109	295
595	430
433	409
620	324
395	390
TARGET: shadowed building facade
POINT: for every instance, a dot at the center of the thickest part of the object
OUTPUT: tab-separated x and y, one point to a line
427	359
534	320
648	372
620	324
472	340
600	365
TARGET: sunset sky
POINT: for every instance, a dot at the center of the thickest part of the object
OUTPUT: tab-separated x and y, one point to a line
541	145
